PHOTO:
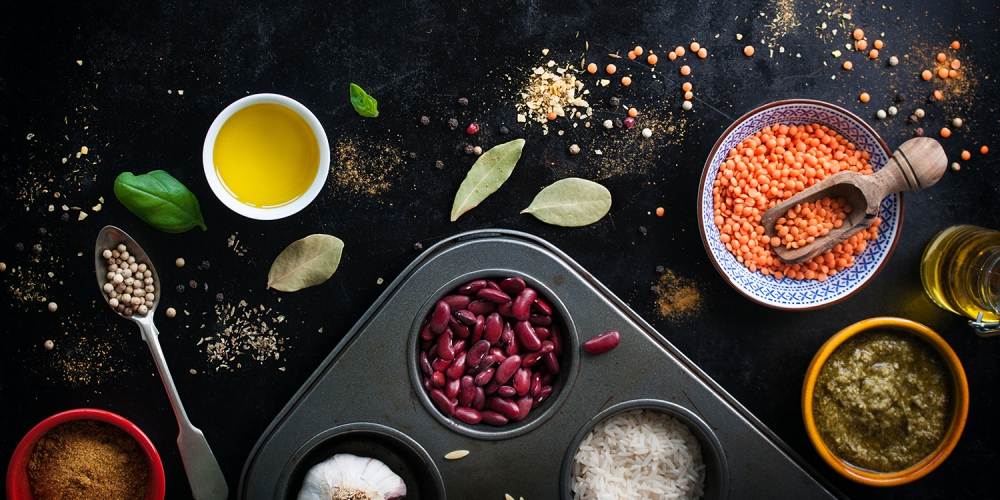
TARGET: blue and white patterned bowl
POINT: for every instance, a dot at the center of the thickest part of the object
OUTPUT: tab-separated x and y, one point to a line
787	293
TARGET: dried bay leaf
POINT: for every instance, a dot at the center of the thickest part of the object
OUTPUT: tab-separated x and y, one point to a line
305	263
486	176
571	202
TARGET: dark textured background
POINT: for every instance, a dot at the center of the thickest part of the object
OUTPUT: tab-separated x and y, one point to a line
417	58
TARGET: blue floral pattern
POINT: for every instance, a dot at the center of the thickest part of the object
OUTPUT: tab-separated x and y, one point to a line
788	293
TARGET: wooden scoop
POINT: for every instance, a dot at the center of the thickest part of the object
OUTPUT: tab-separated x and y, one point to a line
917	164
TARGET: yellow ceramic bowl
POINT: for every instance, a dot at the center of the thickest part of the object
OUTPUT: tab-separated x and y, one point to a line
960	404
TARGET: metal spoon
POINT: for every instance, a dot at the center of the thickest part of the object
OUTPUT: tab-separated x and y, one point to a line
203	472
917	164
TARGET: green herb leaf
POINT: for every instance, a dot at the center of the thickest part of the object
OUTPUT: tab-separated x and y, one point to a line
160	200
305	263
364	104
486	176
571	202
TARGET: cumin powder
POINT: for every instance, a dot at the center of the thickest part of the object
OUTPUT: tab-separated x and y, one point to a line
87	460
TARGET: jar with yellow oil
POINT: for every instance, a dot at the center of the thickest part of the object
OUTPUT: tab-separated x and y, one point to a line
960	270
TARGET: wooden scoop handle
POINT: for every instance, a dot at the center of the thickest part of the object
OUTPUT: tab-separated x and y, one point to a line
917	164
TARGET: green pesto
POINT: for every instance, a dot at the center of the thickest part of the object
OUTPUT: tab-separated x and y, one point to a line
882	400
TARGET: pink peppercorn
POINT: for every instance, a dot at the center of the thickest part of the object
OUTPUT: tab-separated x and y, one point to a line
629	122
472	128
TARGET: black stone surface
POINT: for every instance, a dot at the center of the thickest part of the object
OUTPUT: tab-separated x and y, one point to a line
418	58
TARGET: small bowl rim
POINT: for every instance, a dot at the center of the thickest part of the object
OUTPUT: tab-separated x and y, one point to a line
704	177
18	487
674	410
568	372
960	405
281	211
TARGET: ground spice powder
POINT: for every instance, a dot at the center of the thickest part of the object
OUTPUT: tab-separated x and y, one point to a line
87	460
678	298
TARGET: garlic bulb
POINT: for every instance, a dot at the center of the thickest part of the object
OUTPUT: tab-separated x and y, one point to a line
350	477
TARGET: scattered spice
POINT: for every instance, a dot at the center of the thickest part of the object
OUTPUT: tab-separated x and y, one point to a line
245	331
439	164
425	120
453	123
472	128
553	92
678	298
87	459
462	101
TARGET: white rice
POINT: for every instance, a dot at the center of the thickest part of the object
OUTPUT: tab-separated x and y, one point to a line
639	454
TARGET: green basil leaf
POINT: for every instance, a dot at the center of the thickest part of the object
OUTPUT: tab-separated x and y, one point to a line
305	263
486	176
160	200
364	104
571	202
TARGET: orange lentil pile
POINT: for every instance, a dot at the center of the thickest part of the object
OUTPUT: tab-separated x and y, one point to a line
807	221
770	167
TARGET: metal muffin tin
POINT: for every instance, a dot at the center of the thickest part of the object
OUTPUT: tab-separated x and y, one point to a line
365	390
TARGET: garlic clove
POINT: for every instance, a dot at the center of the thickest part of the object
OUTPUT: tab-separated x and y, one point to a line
350	477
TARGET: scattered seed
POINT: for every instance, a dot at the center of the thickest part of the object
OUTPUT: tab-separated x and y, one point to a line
469	149
591	68
472	128
702	53
957	122
899	97
551	116
927	75
919	132
748	50
685	70
955	166
439	164
687	105
659	213
966	155
659	269
679	51
3	267
462	101
205	265
193	284
180	288
413	155
619	123
955	45
456	454
848	65
861	45
53	306
418	246
893	110
171	312
865	97
633	112
19	246
859	34
610	69
608	124
425	120
642	230
893	60
647	133
504	130
574	149
37	248
626	81
945	132
477	150
982	150
179	262
880	114
878	44
614	102
919	113
49	345
652	59
453	123
955	64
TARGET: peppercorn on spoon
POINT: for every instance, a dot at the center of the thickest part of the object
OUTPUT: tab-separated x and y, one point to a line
203	472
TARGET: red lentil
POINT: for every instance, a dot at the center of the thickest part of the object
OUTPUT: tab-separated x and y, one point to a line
672	55
943	73
686	86
927	75
848	65
955	64
748	50
679	51
591	68
685	70
865	97
873	54
632	112
941	57
859	34
983	149
659	211
952	73
631	56
611	69
938	95
637	50
652	59
702	53
945	132
966	155
695	46
772	166
861	45
955	45
626	81
878	44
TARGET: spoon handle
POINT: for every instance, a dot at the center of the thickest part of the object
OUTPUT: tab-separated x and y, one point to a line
202	469
917	164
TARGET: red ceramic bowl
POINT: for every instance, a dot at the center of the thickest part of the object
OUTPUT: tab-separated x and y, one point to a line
18	487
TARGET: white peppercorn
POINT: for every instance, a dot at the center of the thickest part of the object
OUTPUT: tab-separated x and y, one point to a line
647	133
53	306
121	248
133	267
106	254
113	302
687	105
3	267
49	345
117	278
919	113
893	61
574	149
609	124
957	122
955	166
150	297
179	262
143	309
880	114
171	312
108	288
124	255
893	110
142	267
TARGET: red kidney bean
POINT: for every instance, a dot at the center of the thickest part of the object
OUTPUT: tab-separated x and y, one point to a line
494	418
545	392
457	302
512	286
492	284
506	391
536	384
542	333
444	348
492	387
479	328
439	320
526	336
534	402
498	355
426	333
521	308
506	407
507	368
425	364
603	343
440	365
472	287
532	358
442	402
547	378
540	320
513	347
505	309
493	295
437	379
556	340
506	334
523	407
483	307
427	384
522	381
484	377
477	352
551	363
468	415
458	346
458	329
467	392
425	345
493	328
541	306
457	368
479	400
465	316
452	387
486	362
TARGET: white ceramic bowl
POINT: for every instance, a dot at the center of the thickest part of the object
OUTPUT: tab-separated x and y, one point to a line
266	213
787	293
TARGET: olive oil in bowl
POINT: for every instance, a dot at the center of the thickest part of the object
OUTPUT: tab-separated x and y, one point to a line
960	270
266	156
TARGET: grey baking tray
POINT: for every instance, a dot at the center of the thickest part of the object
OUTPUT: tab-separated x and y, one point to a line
362	399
